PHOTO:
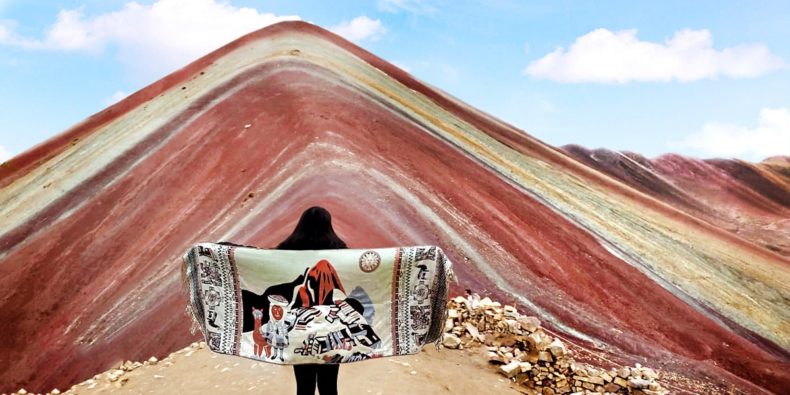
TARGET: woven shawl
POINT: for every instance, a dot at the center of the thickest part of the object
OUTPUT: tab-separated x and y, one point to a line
320	306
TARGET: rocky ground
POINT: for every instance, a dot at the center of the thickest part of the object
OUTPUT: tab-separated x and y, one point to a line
196	370
531	358
488	348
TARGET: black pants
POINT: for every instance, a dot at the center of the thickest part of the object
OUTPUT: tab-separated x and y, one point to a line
308	375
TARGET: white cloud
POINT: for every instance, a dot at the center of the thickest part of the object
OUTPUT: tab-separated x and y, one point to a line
360	28
413	6
150	39
771	137
7	36
5	154
603	56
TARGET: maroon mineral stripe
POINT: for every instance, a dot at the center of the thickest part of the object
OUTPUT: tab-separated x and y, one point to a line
120	165
521	142
21	164
546	247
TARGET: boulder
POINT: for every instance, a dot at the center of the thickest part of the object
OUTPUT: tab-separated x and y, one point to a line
448	325
596	380
495	358
511	369
639	383
529	324
511	311
557	348
473	332
531	357
451	341
513	326
649	374
534	340
620	381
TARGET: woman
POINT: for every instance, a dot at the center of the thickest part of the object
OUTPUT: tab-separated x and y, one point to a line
314	232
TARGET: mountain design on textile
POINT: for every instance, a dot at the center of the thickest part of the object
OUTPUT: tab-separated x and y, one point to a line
359	294
315	287
320	285
677	261
335	334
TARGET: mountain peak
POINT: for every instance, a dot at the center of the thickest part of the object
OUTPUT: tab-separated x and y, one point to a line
236	144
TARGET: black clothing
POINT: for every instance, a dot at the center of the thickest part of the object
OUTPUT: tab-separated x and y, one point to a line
307	375
314	232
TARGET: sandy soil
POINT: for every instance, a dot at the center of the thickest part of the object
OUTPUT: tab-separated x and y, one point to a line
200	371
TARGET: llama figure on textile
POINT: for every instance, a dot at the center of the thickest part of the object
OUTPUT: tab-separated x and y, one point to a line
261	346
276	332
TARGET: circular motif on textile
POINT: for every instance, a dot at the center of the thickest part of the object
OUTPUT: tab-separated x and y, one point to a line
421	292
212	298
369	261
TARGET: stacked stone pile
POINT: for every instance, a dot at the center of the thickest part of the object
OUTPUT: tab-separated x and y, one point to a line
527	355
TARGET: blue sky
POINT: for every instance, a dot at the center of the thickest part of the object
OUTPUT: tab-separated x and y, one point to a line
703	78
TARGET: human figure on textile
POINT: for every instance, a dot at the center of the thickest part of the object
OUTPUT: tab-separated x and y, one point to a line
276	330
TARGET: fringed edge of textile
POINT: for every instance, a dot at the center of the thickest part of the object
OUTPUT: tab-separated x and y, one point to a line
444	273
189	282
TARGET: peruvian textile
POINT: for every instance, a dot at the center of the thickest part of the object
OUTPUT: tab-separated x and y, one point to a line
321	306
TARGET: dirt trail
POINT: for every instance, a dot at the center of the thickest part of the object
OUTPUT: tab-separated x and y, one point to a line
200	371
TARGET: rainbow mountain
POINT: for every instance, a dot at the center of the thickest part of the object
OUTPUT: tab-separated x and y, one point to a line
676	263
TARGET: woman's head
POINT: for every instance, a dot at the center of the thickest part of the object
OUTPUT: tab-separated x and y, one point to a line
315	220
313	232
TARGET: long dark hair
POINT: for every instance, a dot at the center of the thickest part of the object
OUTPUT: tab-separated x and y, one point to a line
313	232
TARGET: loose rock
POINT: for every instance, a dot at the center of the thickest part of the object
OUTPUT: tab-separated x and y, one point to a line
539	363
451	341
